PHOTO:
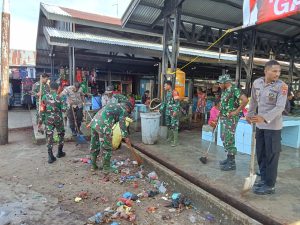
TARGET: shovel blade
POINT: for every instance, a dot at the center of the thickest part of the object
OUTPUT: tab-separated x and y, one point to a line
249	182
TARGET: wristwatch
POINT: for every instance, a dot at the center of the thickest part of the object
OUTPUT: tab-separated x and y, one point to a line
267	122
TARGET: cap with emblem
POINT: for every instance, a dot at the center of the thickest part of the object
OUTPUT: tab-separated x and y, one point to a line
109	89
224	79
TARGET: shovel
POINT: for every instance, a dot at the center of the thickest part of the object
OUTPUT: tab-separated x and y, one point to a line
80	139
249	181
203	159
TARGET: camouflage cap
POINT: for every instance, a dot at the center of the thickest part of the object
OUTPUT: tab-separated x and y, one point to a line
224	79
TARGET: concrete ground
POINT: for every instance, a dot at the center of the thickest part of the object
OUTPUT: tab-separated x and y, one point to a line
284	206
19	118
34	192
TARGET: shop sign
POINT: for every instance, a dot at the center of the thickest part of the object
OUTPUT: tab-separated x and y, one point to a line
261	11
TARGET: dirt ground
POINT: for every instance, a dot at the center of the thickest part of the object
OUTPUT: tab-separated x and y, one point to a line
34	192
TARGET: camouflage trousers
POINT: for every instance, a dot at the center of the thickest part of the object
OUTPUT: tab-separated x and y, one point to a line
59	126
102	142
172	122
228	127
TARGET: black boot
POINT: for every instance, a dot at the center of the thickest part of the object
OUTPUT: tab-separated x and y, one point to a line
51	157
230	165
60	152
74	133
223	162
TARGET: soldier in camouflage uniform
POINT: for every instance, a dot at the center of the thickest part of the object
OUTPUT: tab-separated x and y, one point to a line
54	120
171	105
232	102
36	92
121	98
102	130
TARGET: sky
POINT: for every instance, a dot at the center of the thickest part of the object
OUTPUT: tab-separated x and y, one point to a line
25	14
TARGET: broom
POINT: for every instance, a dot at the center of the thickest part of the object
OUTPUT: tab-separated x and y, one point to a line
249	181
80	139
203	159
40	129
136	156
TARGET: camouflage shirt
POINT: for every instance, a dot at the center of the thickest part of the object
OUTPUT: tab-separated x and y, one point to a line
55	106
230	100
120	98
36	89
171	104
108	116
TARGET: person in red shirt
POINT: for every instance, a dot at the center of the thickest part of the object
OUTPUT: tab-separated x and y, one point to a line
132	100
201	104
214	114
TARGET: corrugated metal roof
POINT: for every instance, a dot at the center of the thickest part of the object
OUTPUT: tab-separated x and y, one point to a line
214	13
66	35
155	2
141	11
214	10
76	14
55	10
53	32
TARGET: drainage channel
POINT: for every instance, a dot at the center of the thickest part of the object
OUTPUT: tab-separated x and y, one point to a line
238	205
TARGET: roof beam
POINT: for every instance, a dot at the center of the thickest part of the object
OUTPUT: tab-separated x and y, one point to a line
149	4
228	2
168	9
211	19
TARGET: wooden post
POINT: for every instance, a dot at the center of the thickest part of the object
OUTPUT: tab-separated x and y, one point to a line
4	77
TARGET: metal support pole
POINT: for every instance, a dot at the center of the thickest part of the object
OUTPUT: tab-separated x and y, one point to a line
250	63
239	59
175	45
73	65
109	76
165	61
70	66
171	41
4	77
291	68
73	57
159	88
51	65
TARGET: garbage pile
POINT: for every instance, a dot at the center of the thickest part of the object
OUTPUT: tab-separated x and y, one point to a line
124	205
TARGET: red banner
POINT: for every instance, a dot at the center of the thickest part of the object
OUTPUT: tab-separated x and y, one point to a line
261	11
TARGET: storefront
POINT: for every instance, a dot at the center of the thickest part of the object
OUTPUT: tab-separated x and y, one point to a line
22	75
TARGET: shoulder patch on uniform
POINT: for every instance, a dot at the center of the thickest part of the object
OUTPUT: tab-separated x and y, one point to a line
175	94
284	89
